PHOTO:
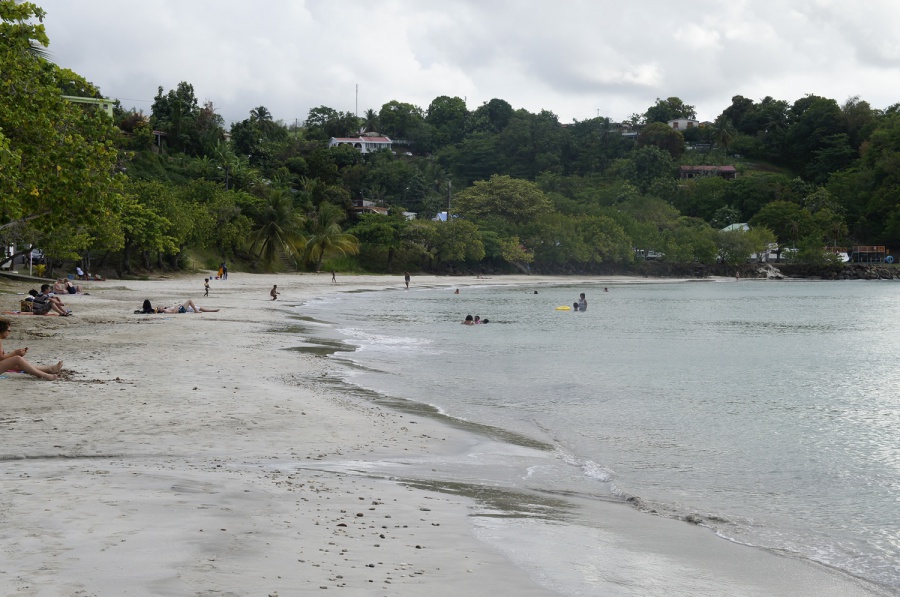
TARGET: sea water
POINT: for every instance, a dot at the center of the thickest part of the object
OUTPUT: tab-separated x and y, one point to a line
767	411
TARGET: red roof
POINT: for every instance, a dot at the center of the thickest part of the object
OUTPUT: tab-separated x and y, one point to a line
363	139
709	168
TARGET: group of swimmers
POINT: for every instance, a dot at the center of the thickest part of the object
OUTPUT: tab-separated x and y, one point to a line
469	320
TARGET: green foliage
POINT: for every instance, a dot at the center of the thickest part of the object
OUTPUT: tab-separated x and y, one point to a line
662	136
277	230
501	199
522	187
669	109
457	241
736	246
325	238
57	159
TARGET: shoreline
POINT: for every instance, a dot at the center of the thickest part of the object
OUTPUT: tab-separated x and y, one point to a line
206	454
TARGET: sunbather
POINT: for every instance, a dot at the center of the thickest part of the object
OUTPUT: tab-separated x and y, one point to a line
186	307
15	359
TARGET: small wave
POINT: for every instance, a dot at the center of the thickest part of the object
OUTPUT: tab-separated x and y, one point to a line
590	468
384	340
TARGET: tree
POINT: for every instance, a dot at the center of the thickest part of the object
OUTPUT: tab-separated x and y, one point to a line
175	113
648	168
491	117
737	113
325	236
57	159
400	120
145	228
458	240
669	109
277	229
736	246
370	120
385	233
502	199
662	136
723	132
448	116
787	220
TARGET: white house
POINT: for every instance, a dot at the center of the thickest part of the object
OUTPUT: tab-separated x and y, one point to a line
363	144
682	124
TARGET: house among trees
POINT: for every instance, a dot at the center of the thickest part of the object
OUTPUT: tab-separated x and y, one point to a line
364	206
102	103
726	172
365	144
681	124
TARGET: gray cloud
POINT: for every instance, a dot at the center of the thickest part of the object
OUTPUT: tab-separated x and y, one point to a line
573	57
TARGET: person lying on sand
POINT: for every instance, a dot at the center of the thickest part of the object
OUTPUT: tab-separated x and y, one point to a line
15	359
186	307
74	288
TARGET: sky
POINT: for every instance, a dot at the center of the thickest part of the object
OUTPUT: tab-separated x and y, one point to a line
576	58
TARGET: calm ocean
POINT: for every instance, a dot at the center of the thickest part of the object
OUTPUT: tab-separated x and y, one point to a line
767	411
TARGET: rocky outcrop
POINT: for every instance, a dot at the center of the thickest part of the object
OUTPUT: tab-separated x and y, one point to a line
847	271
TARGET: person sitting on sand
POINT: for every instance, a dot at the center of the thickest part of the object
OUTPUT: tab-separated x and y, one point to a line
15	359
59	287
44	303
186	307
274	292
468	320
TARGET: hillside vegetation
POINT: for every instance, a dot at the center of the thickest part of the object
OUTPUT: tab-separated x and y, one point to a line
524	191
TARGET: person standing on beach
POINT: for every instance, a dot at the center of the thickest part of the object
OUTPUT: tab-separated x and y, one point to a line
333	279
406	279
205	286
274	292
15	359
224	271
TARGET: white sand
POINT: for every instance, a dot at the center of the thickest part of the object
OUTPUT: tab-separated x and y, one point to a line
190	455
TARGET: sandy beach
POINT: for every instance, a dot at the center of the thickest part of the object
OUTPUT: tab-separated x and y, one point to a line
204	454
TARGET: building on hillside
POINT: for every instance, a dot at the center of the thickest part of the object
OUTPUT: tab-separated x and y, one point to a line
364	144
102	103
743	227
726	172
364	206
682	124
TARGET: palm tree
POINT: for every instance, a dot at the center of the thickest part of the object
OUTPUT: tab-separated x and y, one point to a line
723	132
371	120
326	237
262	118
278	229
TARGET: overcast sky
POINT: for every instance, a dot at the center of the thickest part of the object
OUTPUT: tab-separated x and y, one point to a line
576	58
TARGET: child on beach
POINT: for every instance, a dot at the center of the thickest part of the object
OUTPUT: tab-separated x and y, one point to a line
205	286
15	359
274	292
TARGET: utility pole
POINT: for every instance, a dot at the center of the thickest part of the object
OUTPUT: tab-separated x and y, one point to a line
449	194
357	101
